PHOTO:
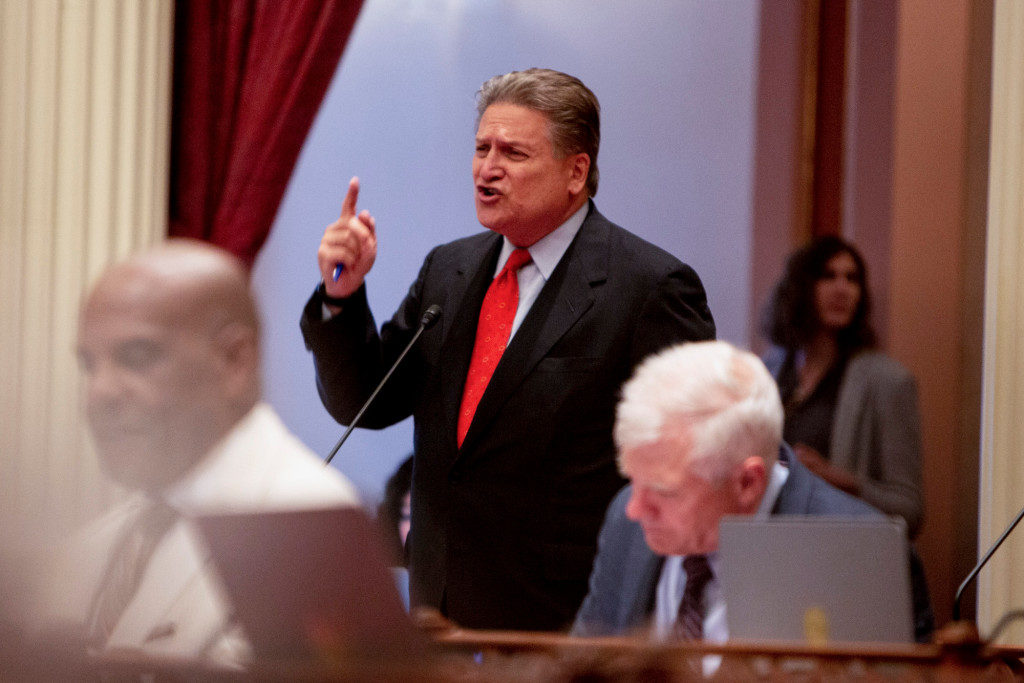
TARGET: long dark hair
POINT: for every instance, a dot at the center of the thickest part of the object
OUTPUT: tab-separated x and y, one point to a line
791	318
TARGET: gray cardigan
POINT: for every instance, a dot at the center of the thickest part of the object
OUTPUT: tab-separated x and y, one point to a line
876	432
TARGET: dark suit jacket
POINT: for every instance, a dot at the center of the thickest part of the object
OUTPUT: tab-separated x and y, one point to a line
504	529
626	571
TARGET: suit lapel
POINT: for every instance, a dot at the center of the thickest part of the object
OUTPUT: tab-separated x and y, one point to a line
639	597
848	414
155	616
467	289
564	299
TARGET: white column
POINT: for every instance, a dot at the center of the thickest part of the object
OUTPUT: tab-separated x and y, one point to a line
84	139
1001	583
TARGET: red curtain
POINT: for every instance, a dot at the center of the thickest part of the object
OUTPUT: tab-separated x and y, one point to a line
249	76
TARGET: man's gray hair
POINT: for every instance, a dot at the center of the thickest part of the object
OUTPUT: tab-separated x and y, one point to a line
720	397
570	106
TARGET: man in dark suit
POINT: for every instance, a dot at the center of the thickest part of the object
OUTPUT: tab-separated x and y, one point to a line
699	433
514	461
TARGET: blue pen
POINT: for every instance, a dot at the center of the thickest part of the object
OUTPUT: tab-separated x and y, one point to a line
337	271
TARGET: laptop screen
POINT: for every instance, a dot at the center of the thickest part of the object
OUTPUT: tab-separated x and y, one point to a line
816	579
311	582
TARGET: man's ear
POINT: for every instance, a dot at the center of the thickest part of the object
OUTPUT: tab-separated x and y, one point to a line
239	353
751	484
579	169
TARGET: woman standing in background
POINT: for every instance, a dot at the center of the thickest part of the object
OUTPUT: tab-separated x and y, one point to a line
851	411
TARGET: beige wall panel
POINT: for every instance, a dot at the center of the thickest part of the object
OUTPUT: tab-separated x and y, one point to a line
84	133
35	453
1001	583
13	95
72	465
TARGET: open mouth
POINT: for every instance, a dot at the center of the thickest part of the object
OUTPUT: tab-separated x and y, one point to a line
488	191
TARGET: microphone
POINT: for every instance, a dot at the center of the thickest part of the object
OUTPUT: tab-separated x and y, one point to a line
430	316
977	568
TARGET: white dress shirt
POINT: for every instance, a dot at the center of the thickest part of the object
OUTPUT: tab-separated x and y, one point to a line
545	254
178	609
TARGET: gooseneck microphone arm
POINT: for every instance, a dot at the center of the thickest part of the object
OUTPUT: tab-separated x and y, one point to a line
977	568
430	317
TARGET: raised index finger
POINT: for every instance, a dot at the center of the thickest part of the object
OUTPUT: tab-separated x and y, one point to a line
348	206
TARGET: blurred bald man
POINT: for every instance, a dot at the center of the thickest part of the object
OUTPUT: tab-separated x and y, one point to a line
169	344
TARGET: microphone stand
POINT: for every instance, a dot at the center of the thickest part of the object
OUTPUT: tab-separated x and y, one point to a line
430	316
977	568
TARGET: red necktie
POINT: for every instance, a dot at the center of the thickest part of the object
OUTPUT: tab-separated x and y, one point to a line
492	333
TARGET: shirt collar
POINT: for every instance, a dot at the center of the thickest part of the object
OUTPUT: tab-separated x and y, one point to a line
779	475
548	250
200	485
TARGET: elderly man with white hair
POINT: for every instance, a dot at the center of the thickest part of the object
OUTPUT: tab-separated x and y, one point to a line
699	435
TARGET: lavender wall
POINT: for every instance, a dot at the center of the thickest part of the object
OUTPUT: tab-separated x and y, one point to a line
677	85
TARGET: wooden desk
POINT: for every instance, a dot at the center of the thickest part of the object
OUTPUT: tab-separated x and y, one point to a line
497	656
637	658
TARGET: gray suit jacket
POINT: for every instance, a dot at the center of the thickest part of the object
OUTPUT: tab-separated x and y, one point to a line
626	571
876	432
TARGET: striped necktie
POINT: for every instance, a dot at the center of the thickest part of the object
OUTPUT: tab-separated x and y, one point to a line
690	622
127	565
